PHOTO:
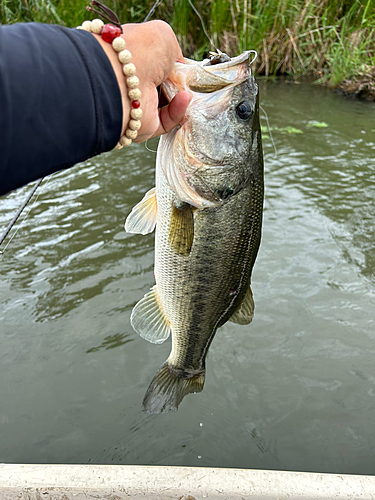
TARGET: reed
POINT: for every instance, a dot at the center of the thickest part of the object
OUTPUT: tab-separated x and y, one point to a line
43	11
333	40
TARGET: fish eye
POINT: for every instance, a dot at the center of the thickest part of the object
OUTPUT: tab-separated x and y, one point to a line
244	110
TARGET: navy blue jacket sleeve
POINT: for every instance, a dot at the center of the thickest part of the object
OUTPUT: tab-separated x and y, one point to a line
59	101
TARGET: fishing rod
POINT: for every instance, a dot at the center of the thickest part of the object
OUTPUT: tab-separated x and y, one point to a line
20	210
38	183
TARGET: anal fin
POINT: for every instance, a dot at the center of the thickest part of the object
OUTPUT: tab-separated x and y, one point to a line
148	319
142	218
244	314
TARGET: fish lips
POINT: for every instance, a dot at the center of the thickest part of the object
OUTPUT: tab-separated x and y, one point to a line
199	77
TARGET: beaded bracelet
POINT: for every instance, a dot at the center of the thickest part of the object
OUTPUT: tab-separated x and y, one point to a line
111	33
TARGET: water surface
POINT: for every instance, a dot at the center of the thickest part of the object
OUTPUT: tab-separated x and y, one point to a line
295	390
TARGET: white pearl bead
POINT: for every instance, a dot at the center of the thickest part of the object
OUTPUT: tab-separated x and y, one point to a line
125	56
118	146
118	44
132	82
131	134
125	141
96	26
136	114
87	26
129	69
79	28
134	94
134	125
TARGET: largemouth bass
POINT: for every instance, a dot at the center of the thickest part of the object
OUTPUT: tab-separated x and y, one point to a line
207	208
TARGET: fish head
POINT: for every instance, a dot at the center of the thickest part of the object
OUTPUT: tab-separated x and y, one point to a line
217	149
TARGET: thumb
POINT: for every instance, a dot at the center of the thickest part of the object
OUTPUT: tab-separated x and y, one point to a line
173	113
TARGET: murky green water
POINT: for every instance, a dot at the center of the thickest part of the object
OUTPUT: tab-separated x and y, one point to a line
294	390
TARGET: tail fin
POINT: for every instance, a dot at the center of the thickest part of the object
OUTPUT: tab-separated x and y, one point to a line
168	389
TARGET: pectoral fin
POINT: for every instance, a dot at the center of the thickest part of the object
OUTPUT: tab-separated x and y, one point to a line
181	229
245	312
148	319
142	219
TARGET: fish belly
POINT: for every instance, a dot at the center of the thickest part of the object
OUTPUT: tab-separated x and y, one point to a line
200	291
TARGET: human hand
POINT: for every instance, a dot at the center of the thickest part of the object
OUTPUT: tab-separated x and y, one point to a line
154	50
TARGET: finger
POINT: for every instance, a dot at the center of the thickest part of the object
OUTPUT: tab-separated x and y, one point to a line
172	114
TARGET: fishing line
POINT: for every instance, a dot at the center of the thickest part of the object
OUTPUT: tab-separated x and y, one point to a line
38	183
151	11
263	110
148	149
203	27
20	210
194	9
269	130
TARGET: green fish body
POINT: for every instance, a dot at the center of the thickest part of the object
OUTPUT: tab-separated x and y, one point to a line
207	207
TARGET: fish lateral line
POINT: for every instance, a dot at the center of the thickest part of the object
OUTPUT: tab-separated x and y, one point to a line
209	177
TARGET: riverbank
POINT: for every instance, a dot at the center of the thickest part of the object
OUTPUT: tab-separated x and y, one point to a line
331	41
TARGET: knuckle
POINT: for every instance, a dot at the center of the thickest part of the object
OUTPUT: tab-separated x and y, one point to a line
163	32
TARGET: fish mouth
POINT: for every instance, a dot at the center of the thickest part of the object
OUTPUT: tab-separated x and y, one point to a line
212	88
234	61
206	78
203	78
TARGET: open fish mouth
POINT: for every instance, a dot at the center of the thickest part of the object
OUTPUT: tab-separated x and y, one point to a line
183	159
226	63
207	210
205	77
227	67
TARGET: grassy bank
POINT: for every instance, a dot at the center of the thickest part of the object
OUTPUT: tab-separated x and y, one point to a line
334	41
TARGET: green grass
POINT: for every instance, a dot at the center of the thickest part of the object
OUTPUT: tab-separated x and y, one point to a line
333	40
12	11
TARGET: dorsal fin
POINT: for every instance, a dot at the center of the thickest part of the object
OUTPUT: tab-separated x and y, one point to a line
142	218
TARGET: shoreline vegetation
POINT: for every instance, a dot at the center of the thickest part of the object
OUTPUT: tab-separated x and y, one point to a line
332	42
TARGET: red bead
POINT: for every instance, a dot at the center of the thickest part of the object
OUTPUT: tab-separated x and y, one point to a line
110	32
136	104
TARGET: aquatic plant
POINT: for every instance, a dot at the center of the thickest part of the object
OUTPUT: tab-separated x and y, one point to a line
315	124
333	40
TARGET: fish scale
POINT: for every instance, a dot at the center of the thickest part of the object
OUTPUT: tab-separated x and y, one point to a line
207	209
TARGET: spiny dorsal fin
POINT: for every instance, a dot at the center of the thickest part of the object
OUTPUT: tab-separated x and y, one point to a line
181	229
245	312
148	320
142	218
